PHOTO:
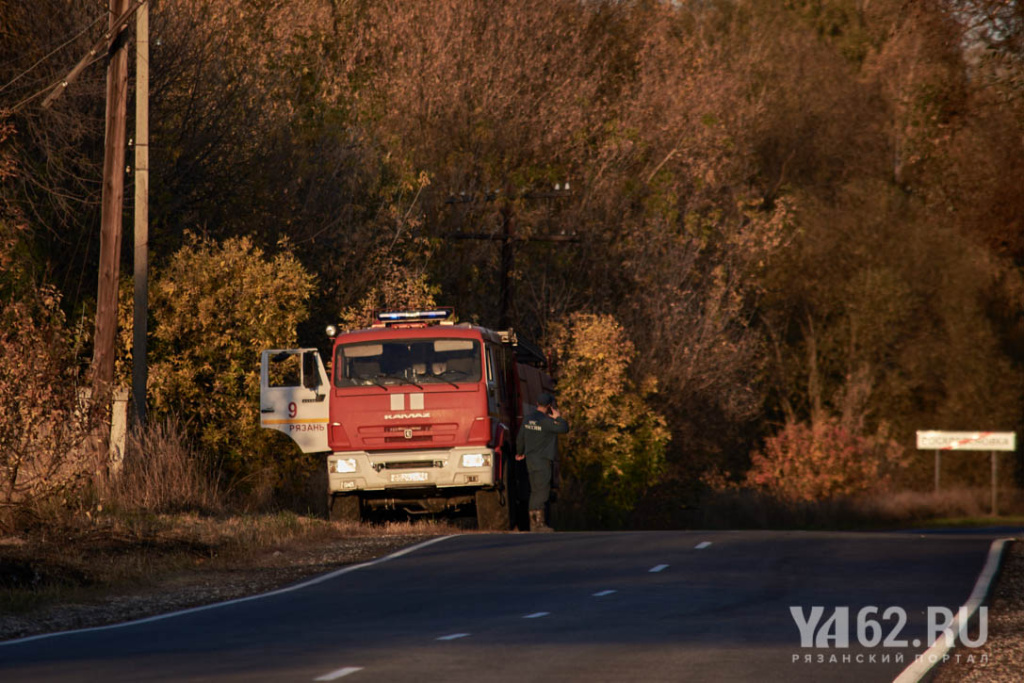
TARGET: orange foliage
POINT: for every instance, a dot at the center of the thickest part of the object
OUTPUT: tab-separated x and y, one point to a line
42	425
823	461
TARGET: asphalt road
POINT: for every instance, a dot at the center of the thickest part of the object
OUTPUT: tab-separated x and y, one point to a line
640	606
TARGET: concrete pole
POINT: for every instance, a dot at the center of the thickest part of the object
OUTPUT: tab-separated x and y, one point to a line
141	260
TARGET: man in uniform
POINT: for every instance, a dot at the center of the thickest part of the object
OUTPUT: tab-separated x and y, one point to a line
537	443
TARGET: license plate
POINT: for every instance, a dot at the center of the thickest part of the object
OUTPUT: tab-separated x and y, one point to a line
409	476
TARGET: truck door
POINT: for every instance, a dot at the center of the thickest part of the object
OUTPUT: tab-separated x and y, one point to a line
293	396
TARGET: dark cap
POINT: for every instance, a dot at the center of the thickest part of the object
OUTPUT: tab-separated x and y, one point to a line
545	399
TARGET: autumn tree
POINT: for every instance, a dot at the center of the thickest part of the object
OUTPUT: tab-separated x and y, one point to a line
885	281
797	212
615	451
395	287
45	457
214	307
630	103
58	150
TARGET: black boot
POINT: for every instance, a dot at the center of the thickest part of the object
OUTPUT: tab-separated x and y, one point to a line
537	522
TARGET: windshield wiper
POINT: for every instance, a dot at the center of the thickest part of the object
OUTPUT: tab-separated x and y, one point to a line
404	380
443	379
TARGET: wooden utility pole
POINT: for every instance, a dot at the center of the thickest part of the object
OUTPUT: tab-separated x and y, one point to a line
508	267
141	260
104	44
508	239
111	209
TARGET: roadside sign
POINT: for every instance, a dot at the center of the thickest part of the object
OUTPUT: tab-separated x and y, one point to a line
966	441
969	441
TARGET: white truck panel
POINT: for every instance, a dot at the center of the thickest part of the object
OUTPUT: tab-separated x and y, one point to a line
293	396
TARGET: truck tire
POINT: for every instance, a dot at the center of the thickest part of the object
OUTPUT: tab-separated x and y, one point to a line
491	515
344	508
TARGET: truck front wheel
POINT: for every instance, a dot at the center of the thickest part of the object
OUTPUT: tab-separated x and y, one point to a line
491	515
344	508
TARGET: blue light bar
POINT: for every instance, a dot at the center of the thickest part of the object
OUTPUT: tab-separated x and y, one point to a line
435	315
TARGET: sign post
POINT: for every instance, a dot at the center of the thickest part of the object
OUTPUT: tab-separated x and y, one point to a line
995	479
969	441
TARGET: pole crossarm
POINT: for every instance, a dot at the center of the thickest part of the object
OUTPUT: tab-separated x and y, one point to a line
515	238
102	45
508	237
470	198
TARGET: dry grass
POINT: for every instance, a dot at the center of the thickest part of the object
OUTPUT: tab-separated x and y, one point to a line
114	551
162	513
160	472
749	509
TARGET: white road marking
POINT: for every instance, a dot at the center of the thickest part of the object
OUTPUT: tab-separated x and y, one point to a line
939	650
701	546
204	608
454	636
657	568
334	675
536	615
603	593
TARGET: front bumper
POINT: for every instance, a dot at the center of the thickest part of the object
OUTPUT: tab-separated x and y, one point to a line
428	469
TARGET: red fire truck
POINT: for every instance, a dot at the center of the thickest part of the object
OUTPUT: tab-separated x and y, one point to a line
417	413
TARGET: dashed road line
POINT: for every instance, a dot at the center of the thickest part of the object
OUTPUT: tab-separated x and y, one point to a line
701	546
335	675
601	594
657	568
455	636
536	615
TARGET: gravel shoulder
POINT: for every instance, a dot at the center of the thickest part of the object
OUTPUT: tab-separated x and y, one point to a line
203	585
1001	658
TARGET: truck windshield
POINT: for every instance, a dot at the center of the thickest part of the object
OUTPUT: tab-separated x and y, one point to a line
407	361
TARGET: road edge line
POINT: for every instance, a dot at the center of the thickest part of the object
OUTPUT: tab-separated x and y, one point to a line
248	598
921	666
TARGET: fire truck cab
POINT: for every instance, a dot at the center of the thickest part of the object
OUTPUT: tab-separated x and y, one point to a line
417	413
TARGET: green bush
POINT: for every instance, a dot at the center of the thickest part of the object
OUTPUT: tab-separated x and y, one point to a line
214	307
615	450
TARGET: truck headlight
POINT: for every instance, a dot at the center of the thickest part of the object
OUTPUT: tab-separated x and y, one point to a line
476	460
345	465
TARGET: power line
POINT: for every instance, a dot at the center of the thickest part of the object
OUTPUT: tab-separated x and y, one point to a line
50	54
98	52
509	238
51	86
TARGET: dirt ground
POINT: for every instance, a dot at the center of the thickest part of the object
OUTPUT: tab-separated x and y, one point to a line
44	598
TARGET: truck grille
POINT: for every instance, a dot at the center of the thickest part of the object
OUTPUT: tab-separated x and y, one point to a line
411	464
408	465
419	434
